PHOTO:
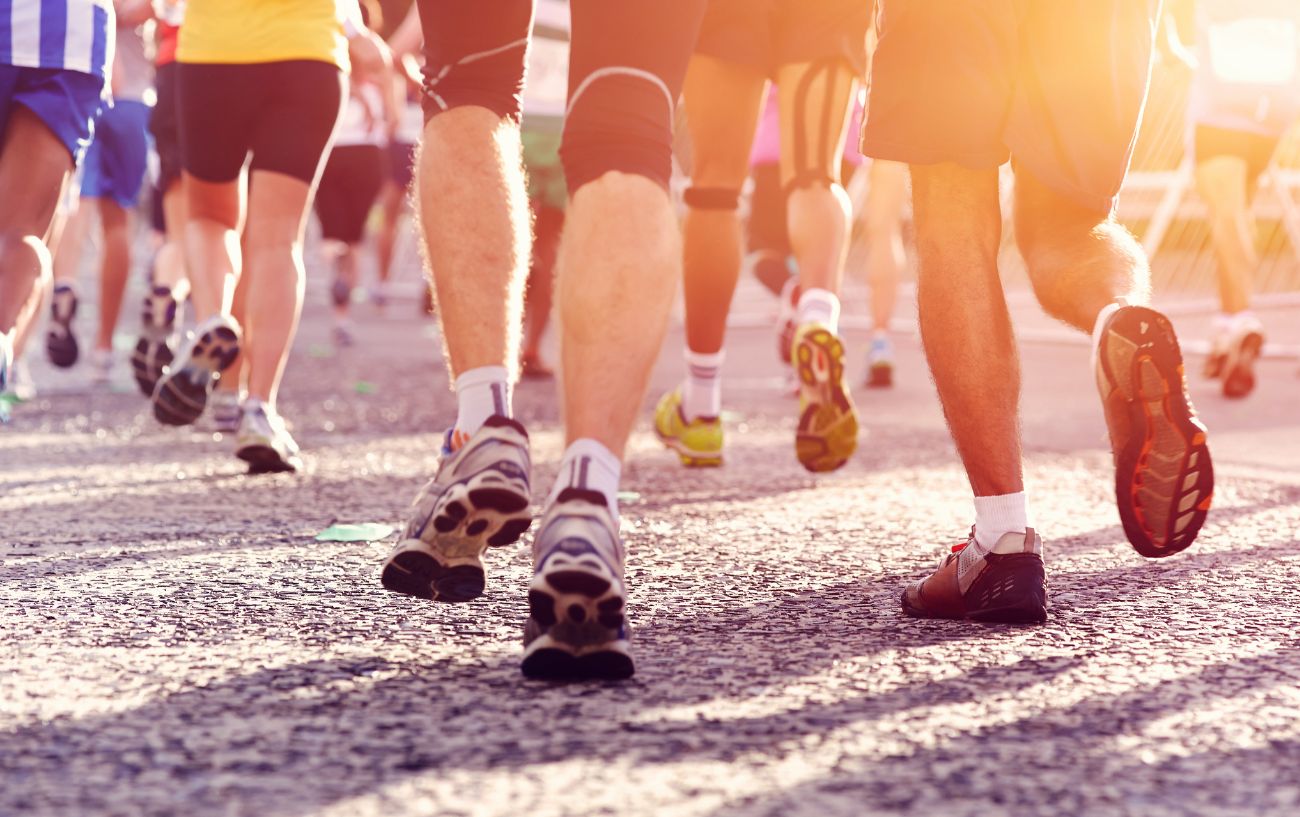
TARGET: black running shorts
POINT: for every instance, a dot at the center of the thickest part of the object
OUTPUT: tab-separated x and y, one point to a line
165	128
283	113
1253	148
627	61
768	34
1056	85
353	177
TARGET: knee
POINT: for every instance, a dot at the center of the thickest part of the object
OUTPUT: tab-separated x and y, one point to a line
619	122
20	249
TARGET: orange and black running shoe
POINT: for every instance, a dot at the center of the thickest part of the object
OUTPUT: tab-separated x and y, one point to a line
1164	479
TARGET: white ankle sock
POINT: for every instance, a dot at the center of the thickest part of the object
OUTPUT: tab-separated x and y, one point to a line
1102	317
702	392
999	515
589	465
819	306
481	393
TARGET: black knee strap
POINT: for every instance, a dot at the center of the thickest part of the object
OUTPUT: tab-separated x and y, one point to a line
711	198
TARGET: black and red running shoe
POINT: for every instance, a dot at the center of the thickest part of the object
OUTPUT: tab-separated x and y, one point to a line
1164	480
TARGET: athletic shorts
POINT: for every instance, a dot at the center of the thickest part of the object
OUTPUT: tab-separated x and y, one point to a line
164	126
627	62
283	113
117	158
353	177
768	34
1256	149
1058	86
68	102
401	163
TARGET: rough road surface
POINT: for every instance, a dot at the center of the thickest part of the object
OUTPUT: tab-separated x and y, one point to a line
173	640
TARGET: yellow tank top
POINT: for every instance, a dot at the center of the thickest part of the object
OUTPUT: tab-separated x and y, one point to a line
251	31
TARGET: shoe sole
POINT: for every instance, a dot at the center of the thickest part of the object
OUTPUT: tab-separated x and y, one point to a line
264	459
576	627
880	376
148	361
153	352
689	456
819	364
1014	592
471	517
181	396
60	341
1164	478
1239	380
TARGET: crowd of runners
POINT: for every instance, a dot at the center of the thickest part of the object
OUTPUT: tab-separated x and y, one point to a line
254	113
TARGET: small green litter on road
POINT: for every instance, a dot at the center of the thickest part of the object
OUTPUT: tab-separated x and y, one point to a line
320	350
629	496
364	387
362	532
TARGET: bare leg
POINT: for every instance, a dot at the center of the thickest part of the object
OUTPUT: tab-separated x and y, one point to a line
169	265
274	268
345	268
72	239
617	278
541	280
235	377
34	166
965	327
114	269
477	249
1224	188
391	204
723	101
215	212
815	107
886	256
1079	260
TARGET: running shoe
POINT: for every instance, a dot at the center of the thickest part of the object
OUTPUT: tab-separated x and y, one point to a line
264	442
698	442
101	366
22	387
1244	344
340	292
1005	583
531	367
60	340
183	390
342	336
153	351
6	373
576	625
1164	480
828	421
880	364
227	411
478	499
785	320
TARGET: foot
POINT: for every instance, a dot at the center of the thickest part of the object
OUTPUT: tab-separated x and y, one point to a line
342	336
828	421
183	390
880	364
226	410
264	442
531	367
6	375
60	340
1164	479
20	387
479	499
698	442
1003	584
576	626
154	350
101	367
1244	343
340	292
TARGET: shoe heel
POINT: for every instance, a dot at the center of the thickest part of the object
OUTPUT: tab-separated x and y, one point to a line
1012	590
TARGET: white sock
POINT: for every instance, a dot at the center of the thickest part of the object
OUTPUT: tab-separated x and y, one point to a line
1102	317
702	392
999	515
591	466
819	306
1223	322
481	393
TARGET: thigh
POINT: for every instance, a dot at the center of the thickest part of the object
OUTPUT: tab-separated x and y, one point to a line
1252	151
723	101
738	31
295	126
217	107
277	210
942	79
815	100
886	195
67	102
34	166
1081	86
475	57
627	65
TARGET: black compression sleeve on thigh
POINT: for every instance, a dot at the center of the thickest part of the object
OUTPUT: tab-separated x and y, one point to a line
474	55
627	64
711	198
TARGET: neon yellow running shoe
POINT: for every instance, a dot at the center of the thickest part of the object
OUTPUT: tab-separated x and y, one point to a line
828	421
698	442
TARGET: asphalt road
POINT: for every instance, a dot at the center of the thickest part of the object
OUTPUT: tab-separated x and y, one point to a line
174	641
